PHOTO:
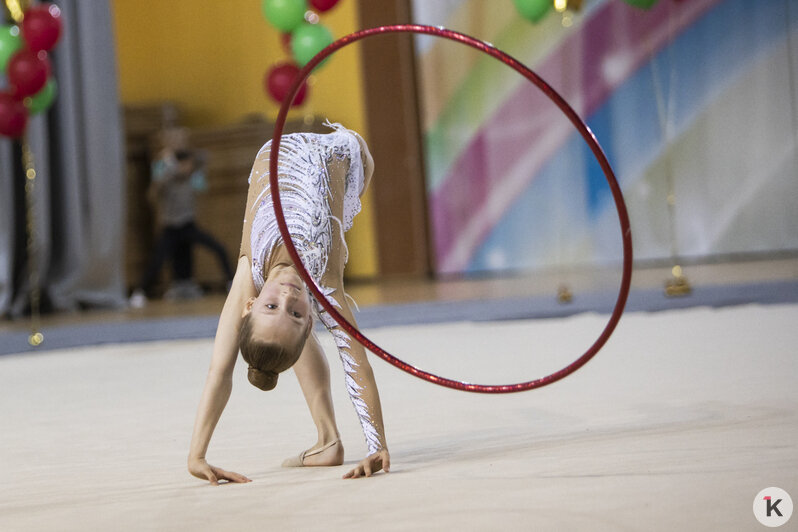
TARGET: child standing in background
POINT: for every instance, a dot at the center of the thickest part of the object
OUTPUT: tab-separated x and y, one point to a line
178	174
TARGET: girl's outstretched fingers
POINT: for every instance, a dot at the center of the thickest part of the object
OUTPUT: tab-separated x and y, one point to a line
230	476
371	464
203	470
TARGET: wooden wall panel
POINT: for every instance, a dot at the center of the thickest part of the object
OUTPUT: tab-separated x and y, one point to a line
395	140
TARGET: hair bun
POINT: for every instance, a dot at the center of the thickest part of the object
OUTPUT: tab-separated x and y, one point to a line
265	380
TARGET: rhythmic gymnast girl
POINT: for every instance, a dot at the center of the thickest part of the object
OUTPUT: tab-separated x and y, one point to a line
269	312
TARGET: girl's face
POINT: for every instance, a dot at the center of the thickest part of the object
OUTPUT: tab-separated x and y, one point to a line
281	312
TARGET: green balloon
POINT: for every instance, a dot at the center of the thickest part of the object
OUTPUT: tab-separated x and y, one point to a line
285	15
42	100
308	40
9	44
643	4
533	10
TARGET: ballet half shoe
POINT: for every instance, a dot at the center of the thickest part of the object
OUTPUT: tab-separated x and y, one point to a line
299	461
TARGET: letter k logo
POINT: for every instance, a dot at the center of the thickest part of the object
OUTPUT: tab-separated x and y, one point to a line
772	506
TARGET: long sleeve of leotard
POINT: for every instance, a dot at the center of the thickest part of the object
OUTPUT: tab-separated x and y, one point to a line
360	383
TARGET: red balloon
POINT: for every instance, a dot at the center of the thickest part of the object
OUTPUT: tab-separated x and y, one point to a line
279	81
28	72
13	116
323	5
41	27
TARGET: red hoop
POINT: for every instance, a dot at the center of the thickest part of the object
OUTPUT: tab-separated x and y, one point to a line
584	130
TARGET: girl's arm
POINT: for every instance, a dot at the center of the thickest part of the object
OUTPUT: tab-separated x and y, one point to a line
219	382
362	389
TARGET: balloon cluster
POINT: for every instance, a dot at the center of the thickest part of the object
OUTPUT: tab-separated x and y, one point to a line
535	10
23	56
302	37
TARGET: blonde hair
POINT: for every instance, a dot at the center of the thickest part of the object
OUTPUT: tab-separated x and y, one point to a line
266	360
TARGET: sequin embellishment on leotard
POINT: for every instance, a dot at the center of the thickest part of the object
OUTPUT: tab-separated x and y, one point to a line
304	190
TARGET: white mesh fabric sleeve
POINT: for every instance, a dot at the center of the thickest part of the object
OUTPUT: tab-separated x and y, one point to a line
360	384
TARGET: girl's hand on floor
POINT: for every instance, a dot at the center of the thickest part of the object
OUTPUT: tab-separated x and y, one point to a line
371	464
203	470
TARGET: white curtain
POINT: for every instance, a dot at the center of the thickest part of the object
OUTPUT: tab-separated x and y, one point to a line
79	196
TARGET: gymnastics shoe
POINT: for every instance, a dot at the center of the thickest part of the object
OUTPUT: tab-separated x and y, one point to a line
299	461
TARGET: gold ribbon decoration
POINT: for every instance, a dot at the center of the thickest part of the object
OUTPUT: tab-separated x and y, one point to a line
36	337
17	8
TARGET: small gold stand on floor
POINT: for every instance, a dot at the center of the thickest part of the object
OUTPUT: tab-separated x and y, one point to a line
564	294
677	285
17	8
36	337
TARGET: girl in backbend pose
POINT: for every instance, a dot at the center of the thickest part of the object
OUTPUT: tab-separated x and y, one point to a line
268	313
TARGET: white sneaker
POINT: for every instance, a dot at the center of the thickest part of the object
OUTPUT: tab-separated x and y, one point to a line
138	299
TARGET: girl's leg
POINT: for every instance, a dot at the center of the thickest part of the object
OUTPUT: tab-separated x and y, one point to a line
313	374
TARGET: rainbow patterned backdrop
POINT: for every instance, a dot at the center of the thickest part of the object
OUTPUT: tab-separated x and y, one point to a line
693	100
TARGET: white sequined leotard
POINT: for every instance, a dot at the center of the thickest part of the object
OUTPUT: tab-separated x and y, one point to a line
307	163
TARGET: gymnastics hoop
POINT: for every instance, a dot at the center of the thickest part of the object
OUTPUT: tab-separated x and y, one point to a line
584	130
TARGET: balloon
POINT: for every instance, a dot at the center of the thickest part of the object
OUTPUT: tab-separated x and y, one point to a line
323	5
279	81
41	27
642	4
28	72
285	14
42	100
10	43
13	116
533	10
308	40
